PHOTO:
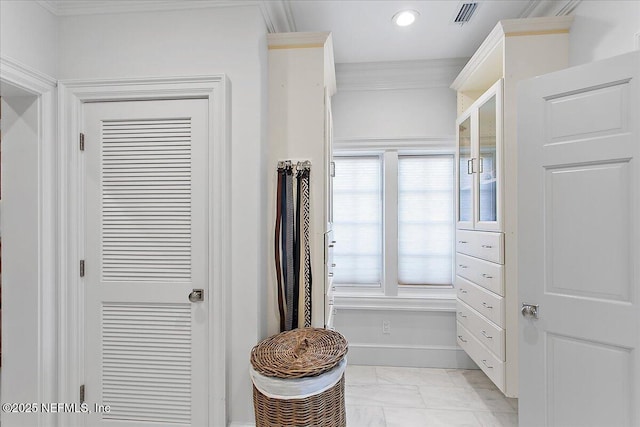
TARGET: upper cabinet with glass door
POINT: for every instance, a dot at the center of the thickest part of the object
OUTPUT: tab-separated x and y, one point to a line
479	171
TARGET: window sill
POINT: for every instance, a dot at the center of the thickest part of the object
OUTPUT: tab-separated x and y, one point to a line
445	302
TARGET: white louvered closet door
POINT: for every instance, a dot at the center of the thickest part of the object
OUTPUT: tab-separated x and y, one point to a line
146	249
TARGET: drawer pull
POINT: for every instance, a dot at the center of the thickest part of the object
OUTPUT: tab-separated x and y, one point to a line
487	246
487	305
486	336
462	266
486	276
461	339
484	362
462	291
462	241
462	315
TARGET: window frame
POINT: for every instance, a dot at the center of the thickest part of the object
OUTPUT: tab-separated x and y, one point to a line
389	159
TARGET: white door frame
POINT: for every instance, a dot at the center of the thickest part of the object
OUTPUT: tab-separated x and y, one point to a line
71	95
42	86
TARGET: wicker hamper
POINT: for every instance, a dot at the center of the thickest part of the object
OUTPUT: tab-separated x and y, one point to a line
306	359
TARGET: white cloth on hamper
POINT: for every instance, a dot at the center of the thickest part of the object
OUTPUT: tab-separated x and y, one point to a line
297	388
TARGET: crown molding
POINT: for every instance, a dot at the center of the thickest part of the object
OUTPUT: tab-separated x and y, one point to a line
91	7
49	5
530	9
278	16
397	75
542	8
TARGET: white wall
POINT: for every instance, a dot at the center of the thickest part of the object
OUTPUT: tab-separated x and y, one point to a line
28	34
603	29
229	40
28	39
20	277
394	113
418	338
384	103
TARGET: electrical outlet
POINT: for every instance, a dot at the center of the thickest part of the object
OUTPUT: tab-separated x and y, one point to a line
386	326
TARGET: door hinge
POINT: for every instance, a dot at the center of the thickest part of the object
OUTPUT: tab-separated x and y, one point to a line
81	268
81	141
82	393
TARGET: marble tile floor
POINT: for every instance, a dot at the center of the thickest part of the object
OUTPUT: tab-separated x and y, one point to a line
380	396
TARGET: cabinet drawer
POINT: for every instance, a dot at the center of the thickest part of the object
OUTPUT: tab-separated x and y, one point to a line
491	366
484	302
481	244
484	273
485	331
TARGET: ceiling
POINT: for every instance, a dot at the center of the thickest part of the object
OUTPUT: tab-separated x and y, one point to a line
363	31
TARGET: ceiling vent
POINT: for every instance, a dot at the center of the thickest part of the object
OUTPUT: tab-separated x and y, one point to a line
465	12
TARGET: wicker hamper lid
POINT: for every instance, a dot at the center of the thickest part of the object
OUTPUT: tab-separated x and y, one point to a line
298	353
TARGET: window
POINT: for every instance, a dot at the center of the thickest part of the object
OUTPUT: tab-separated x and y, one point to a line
425	220
357	220
394	221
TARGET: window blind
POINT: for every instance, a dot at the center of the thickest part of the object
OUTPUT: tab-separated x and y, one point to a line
357	220
425	220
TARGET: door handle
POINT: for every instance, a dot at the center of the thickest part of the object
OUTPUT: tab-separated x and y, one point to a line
196	295
469	166
529	310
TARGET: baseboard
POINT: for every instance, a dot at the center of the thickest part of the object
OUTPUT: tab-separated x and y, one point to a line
444	357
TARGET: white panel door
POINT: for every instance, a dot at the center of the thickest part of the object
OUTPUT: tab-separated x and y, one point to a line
579	245
145	246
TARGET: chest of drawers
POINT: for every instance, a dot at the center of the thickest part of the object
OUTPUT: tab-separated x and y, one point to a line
480	289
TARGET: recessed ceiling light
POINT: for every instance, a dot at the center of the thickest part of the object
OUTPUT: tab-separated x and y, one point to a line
405	17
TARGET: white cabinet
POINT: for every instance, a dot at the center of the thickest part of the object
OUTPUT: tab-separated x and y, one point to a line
486	202
301	83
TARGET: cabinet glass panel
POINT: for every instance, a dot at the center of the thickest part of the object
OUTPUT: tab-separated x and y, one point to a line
465	176
487	201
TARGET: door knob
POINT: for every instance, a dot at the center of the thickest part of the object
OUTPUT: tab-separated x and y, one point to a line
196	295
529	310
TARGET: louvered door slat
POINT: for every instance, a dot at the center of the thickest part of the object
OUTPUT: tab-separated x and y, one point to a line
121	343
123	184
